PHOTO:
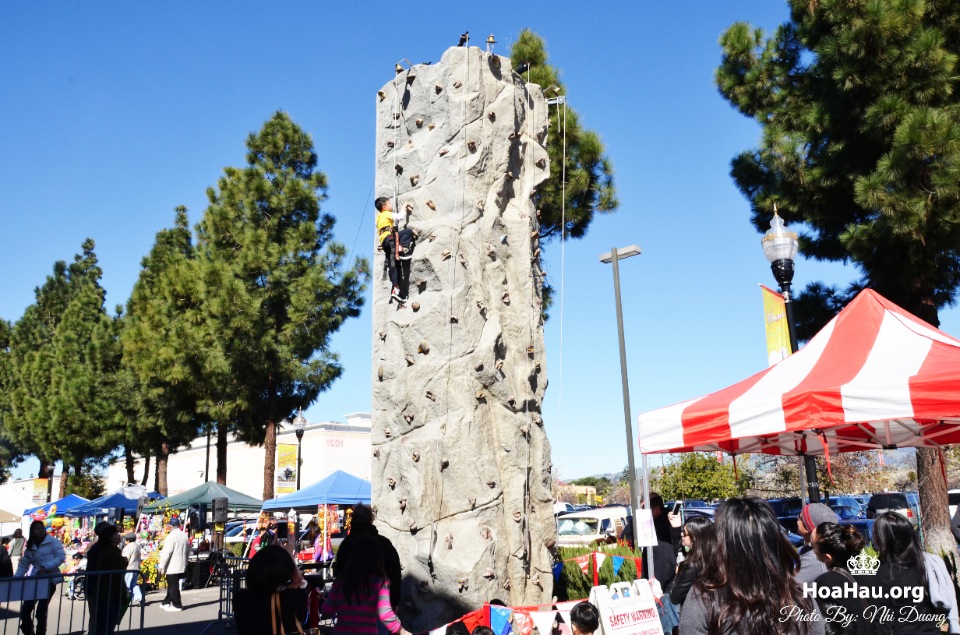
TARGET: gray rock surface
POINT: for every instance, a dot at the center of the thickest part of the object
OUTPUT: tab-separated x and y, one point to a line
461	462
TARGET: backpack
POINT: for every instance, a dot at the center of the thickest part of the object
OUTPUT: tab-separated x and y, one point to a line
407	243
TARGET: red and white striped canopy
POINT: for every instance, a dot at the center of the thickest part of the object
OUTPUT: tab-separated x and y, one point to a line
874	377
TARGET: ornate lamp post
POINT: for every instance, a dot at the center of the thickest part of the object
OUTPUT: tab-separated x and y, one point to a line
299	423
780	248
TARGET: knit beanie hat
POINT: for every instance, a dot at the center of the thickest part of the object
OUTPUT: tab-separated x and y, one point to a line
816	513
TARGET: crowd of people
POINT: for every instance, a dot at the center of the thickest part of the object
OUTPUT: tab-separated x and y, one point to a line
740	575
736	575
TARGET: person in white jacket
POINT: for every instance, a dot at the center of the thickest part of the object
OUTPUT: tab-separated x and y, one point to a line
173	564
42	556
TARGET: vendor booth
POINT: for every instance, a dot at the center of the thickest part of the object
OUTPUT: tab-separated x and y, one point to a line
204	495
119	499
57	507
339	488
875	377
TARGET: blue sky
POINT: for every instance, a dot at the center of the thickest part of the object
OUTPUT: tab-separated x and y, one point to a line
113	113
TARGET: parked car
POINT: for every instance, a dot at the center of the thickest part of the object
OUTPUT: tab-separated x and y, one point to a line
845	501
562	508
953	498
586	528
906	503
845	513
787	511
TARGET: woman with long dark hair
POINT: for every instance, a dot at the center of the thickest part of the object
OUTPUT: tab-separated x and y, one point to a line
273	598
699	540
747	586
42	556
836	547
360	596
904	565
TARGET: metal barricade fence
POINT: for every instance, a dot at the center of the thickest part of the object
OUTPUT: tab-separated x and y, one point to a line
97	602
232	573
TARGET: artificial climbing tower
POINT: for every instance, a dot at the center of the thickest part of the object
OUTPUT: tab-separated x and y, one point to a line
461	462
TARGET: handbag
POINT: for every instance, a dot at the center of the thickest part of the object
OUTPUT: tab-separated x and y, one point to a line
276	618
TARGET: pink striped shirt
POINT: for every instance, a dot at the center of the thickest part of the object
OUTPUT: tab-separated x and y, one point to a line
359	616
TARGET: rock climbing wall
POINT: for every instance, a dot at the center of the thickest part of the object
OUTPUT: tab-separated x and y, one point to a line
461	462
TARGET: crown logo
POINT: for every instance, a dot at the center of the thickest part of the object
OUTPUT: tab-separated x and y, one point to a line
863	564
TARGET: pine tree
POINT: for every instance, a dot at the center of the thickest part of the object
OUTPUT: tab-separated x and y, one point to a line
276	286
588	170
166	348
10	453
858	103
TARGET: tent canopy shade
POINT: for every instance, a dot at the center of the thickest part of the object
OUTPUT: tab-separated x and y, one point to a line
339	488
874	377
63	505
110	501
8	517
204	494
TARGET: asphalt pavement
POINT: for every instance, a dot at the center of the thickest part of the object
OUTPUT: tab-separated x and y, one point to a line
199	615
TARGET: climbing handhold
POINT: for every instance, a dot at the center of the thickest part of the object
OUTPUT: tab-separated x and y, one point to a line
491	251
443	152
488	574
509	174
504	447
444	464
506	587
512	401
525	430
473	502
538	421
540	135
390	144
506	298
478	367
388	433
454	319
491	484
536	367
492	115
391	483
431	205
550	543
403	504
381	94
472	146
462	259
512	136
414	179
449	540
410	361
383	335
541	162
530	351
480	394
419	123
430	127
380	373
480	205
396	115
408	206
499	364
413	527
424	348
537	583
486	534
415	306
536	252
408	418
398	168
376	453
517	516
481	306
462	584
457	84
438	88
445	255
431	396
416	457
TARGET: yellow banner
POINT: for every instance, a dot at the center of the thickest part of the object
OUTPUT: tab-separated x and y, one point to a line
40	491
775	321
286	468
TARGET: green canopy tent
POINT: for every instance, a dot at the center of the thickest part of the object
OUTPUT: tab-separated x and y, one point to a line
204	494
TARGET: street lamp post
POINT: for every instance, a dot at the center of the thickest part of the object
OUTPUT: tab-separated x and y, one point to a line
614	256
299	423
780	248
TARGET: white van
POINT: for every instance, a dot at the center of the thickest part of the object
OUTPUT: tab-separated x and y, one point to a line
584	529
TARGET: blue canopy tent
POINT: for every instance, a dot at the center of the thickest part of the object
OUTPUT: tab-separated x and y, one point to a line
65	504
340	488
98	506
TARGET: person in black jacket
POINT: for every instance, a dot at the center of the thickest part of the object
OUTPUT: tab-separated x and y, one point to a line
699	541
362	525
6	564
